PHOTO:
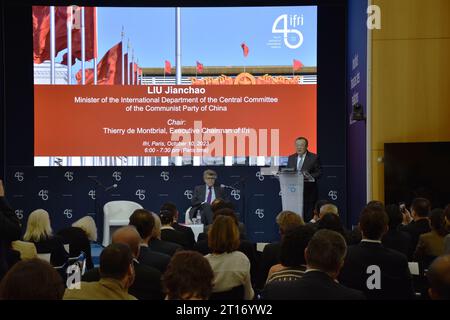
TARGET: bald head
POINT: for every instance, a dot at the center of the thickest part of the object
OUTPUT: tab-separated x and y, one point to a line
130	236
439	277
328	208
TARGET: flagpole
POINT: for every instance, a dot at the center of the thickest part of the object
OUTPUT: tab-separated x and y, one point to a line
52	45
95	46
69	44
137	71
128	65
178	45
123	57
83	49
132	67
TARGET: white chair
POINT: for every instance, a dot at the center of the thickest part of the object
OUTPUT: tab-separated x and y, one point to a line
117	213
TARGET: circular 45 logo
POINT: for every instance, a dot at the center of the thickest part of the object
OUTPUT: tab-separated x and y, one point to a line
188	194
236	194
165	175
19	176
140	193
259	213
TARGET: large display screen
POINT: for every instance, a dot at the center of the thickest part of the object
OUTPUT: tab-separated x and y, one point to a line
162	86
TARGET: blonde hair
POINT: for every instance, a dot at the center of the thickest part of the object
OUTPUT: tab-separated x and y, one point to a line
328	208
38	226
156	232
287	220
87	224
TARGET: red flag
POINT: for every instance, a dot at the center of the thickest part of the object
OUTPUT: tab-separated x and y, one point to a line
41	32
88	74
297	65
90	33
244	49
199	67
110	67
167	67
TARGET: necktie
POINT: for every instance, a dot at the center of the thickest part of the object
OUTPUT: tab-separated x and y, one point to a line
209	195
300	163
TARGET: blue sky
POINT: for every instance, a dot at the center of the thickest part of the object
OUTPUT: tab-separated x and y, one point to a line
212	36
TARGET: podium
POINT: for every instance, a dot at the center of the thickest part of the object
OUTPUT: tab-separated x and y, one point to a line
292	188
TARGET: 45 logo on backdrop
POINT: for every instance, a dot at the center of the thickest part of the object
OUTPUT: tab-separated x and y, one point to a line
117	175
236	194
140	193
165	175
286	25
188	194
43	194
19	176
68	175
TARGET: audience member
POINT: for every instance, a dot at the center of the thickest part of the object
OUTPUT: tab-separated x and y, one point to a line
147	280
332	222
439	278
39	232
116	276
431	244
79	237
156	244
420	223
144	223
168	233
32	279
188	277
379	272
395	239
231	267
293	264
447	226
316	211
9	231
188	233
270	256
324	258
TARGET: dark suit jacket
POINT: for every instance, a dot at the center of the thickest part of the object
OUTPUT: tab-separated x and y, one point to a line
200	194
311	164
78	241
399	241
199	197
188	233
314	285
54	246
165	247
269	257
396	281
415	229
146	285
9	231
174	236
154	259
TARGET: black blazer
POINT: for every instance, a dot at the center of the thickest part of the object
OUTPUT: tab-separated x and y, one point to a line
78	241
174	236
399	241
311	164
54	246
396	280
269	257
165	247
200	194
415	229
314	285
146	285
9	231
154	259
188	234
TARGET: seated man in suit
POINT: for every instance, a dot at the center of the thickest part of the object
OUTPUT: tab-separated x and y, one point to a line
147	280
307	162
112	281
324	259
206	194
379	272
